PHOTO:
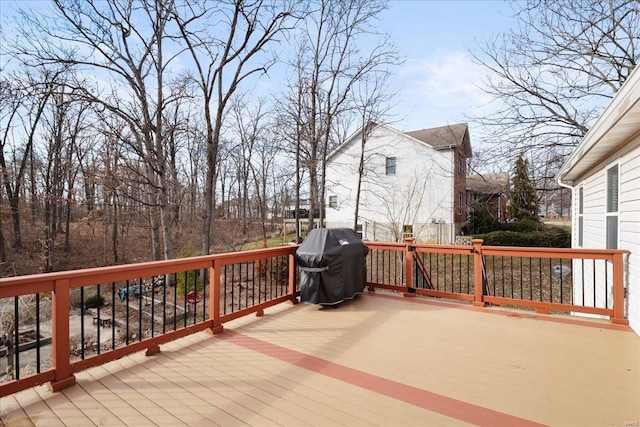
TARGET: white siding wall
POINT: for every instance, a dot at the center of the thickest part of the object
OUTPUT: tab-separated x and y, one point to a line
594	237
419	194
629	227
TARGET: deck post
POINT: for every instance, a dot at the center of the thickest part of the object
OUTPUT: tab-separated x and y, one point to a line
292	278
60	337
408	267
478	297
618	290
214	292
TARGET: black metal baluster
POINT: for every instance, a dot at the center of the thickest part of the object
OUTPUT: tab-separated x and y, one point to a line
606	284
175	301
246	291
511	277
195	289
127	312
237	286
388	269
224	291
468	274
253	282
164	304
205	285
16	340
595	300
437	281
153	299
502	274
561	283
521	279
240	281
186	292
540	278
82	322
583	280
379	276
99	322
550	281
530	279
113	315
431	270
140	297
268	281
460	273
493	272
38	333
444	270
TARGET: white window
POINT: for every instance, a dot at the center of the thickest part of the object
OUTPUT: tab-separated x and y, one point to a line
613	188
407	230
390	166
581	216
333	202
359	231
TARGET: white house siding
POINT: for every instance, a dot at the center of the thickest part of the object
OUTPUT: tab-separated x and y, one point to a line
593	237
419	194
594	194
630	228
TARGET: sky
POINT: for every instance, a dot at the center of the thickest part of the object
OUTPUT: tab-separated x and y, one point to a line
438	82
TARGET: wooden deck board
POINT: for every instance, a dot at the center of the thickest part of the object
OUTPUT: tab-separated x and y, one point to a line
377	360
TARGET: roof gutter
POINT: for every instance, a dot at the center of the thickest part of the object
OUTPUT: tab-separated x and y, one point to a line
570	187
565	185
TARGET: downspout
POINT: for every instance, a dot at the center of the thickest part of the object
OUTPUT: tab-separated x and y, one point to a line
572	188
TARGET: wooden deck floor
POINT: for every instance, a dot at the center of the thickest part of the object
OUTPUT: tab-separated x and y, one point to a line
378	360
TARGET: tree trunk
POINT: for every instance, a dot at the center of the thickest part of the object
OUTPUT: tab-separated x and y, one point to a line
359	184
3	252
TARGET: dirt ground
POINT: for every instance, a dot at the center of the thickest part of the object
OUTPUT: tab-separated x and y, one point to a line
91	244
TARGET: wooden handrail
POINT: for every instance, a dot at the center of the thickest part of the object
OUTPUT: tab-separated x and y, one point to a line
60	284
478	251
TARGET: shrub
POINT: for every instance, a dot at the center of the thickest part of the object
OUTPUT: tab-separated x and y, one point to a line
523	226
551	237
485	223
187	280
94	301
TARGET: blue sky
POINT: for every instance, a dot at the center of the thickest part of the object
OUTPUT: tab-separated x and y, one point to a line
437	85
438	82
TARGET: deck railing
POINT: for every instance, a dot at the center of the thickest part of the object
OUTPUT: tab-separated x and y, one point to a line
98	315
587	281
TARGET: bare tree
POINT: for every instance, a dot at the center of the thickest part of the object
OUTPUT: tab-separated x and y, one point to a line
418	202
224	60
251	154
553	73
330	63
372	103
27	99
124	43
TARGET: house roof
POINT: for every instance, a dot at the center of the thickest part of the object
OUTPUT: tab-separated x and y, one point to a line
440	138
488	183
618	124
445	137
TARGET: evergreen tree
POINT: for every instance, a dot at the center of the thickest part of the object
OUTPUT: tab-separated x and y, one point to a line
523	203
